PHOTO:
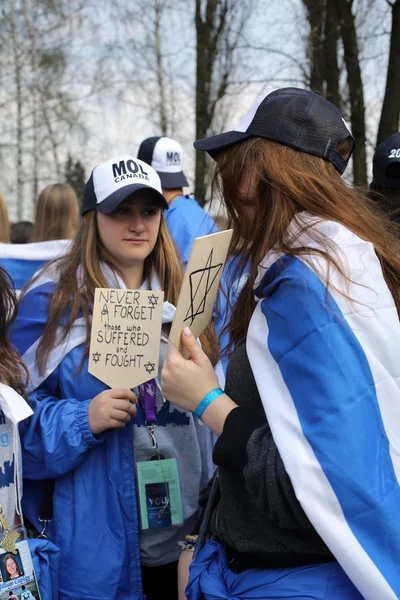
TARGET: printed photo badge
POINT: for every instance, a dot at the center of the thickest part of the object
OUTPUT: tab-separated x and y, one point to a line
200	285
125	338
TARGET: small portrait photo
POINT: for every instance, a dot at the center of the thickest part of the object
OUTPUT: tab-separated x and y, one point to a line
11	566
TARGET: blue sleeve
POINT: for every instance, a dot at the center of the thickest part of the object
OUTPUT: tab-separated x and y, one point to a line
185	235
57	436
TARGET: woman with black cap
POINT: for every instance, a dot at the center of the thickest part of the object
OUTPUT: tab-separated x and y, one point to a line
309	423
91	439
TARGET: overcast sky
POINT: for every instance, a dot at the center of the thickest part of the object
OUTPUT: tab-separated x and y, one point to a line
116	119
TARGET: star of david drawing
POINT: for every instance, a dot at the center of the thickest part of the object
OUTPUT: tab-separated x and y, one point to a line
150	367
201	282
153	300
96	357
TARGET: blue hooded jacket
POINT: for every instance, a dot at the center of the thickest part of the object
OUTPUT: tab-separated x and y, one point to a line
95	507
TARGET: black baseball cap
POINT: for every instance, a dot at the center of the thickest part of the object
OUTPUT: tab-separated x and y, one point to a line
386	164
112	181
165	155
298	118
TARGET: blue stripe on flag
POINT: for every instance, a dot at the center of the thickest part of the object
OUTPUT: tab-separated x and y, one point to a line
329	378
20	270
32	317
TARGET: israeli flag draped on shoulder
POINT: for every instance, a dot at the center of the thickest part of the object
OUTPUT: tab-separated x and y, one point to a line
29	327
328	372
22	261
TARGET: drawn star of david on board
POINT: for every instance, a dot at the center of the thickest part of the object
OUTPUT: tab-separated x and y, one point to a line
96	357
153	300
150	367
200	290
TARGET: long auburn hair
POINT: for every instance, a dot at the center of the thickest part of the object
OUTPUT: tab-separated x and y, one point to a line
288	182
57	214
12	370
87	251
4	222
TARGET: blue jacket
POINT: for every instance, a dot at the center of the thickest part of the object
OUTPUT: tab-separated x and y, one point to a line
95	508
186	220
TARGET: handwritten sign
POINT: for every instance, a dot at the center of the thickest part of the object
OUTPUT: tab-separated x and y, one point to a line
125	338
200	284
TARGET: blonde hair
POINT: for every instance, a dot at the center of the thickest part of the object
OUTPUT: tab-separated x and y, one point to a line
57	214
4	223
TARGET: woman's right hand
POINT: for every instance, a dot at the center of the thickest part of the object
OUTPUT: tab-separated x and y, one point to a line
110	409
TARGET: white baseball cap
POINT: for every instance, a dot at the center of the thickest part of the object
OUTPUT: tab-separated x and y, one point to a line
112	181
165	155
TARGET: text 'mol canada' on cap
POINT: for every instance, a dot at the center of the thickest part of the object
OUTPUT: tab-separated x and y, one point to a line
112	181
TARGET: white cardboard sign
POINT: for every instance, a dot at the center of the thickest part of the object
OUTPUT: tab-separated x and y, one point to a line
125	337
200	284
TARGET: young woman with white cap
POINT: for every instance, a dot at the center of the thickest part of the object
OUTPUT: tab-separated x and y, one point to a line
89	438
309	424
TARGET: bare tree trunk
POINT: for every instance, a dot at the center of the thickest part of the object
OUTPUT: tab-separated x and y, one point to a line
35	93
315	14
203	82
389	122
212	45
18	86
356	92
331	67
160	70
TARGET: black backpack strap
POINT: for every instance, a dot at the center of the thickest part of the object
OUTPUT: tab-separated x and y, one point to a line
212	502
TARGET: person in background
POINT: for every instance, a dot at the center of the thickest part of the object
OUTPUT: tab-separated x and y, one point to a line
13	381
4	222
385	185
309	423
57	217
26	594
57	214
185	218
21	232
91	438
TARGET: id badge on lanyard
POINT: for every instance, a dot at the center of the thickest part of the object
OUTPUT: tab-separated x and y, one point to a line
17	575
158	478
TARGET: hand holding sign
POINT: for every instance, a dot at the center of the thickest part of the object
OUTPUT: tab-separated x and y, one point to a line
200	285
125	337
111	409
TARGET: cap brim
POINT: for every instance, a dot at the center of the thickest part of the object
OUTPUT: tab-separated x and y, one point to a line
111	203
216	143
172	181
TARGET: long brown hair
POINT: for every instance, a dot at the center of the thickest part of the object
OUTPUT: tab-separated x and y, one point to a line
57	214
288	182
4	222
12	369
86	253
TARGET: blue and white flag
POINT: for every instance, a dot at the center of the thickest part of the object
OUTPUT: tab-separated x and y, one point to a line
328	372
22	261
